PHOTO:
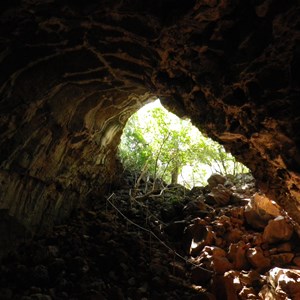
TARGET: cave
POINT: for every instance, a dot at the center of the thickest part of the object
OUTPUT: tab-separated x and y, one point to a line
73	72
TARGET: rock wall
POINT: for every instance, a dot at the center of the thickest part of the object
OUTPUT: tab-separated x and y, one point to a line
72	72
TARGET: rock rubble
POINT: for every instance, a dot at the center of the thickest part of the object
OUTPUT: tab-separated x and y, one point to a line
177	244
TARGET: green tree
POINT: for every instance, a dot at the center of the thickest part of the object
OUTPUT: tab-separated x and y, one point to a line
161	144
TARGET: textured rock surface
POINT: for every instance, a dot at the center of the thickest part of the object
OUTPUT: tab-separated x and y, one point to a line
72	72
277	230
260	210
282	284
121	249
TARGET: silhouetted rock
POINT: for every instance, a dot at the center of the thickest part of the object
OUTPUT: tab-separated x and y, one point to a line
215	179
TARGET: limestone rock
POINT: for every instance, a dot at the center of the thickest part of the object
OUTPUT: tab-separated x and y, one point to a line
277	230
260	210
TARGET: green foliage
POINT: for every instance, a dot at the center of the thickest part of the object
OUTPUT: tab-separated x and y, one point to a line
165	146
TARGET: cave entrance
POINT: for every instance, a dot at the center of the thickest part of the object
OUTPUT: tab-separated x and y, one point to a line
159	146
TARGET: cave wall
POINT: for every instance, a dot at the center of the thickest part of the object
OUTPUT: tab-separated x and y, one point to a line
72	72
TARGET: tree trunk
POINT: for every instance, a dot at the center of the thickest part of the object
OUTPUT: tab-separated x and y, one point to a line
174	175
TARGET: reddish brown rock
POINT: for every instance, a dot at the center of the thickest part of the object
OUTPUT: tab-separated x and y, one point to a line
260	210
239	285
215	259
296	261
277	230
285	247
197	245
257	259
248	293
234	235
282	284
219	195
232	286
218	287
237	255
282	259
237	216
214	251
221	264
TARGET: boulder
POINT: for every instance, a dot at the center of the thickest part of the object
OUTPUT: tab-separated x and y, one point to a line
233	235
198	235
208	238
232	284
281	284
281	259
216	259
214	251
277	230
257	259
219	195
196	208
260	210
239	285
221	264
216	179
237	255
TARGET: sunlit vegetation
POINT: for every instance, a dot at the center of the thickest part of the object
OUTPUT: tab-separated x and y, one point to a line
158	144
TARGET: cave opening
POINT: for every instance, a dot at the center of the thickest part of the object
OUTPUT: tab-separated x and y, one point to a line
71	75
157	144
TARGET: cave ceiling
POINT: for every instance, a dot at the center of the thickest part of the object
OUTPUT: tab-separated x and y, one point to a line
72	72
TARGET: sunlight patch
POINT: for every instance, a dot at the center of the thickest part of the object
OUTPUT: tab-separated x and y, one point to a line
172	149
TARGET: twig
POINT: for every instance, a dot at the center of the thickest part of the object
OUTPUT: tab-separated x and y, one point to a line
152	194
155	236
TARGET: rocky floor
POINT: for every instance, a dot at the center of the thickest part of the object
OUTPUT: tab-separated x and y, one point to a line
222	241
